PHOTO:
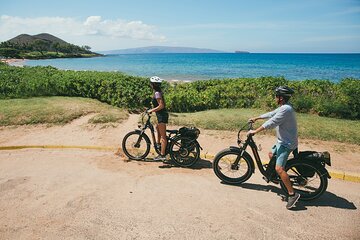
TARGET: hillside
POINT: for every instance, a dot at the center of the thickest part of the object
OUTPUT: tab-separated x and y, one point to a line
161	49
28	39
42	46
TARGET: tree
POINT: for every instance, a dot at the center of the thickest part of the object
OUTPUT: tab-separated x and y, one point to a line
9	52
41	46
86	48
56	47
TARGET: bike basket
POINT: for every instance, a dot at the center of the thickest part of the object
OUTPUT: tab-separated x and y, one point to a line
192	132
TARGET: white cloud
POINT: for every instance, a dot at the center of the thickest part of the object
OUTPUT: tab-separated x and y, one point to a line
11	26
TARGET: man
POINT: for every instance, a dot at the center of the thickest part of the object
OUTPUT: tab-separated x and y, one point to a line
284	120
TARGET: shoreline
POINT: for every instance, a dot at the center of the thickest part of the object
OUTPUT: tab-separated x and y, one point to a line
19	62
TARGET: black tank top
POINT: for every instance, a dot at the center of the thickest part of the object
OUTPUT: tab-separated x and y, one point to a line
155	103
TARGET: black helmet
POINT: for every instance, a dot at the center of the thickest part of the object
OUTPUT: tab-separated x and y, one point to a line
284	91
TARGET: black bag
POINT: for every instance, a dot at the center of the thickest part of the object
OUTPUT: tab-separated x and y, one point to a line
192	132
308	155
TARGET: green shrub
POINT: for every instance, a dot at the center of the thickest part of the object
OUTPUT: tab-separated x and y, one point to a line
341	100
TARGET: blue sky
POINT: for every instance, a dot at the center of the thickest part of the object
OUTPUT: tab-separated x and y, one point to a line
257	26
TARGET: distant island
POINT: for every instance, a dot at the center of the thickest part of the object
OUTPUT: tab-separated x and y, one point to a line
42	46
241	52
161	49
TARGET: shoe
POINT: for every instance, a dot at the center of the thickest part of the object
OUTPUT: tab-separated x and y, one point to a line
292	200
160	158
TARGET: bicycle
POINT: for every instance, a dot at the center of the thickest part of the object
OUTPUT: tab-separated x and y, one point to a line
182	144
306	170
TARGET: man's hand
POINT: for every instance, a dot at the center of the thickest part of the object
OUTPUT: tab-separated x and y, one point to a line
252	120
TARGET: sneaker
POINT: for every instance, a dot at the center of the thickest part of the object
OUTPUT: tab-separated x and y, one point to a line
160	158
292	200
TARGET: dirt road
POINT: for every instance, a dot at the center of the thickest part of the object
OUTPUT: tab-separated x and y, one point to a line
90	194
77	194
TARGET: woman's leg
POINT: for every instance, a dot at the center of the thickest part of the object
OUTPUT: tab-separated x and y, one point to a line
161	127
158	134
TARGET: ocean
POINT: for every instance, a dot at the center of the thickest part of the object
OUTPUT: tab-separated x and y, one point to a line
204	66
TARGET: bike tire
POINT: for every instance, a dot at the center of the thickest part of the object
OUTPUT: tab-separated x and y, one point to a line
184	152
134	151
309	188
222	166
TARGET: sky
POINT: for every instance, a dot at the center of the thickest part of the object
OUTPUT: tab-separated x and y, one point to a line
263	26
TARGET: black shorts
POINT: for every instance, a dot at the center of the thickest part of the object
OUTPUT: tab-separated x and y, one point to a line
162	117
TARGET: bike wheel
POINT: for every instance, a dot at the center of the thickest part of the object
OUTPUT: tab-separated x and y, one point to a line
184	151
224	169
309	186
135	145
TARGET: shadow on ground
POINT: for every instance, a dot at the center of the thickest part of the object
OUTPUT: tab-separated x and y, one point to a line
328	199
200	164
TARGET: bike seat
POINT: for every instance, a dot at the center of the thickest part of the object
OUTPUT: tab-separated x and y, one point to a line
172	131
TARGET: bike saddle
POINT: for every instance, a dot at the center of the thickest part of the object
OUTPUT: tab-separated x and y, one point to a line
172	131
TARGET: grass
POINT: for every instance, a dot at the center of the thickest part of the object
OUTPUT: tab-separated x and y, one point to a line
309	126
62	110
56	110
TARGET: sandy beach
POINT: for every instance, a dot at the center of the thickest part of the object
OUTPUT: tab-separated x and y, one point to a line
13	61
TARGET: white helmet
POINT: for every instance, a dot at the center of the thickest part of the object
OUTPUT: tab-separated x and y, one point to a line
156	79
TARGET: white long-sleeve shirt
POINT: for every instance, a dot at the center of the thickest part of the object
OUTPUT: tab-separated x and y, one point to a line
284	120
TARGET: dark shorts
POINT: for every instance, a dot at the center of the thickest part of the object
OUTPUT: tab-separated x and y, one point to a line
162	117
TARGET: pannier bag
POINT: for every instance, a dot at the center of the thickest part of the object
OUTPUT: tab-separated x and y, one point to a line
191	132
190	135
312	156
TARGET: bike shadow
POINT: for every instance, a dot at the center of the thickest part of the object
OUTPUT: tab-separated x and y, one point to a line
328	199
200	164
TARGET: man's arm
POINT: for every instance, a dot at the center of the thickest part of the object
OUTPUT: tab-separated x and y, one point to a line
276	118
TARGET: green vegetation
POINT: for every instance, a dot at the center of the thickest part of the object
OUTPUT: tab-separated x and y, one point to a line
309	126
320	97
56	110
236	99
42	46
325	98
113	88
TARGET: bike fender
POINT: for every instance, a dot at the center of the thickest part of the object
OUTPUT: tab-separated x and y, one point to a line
316	164
237	149
198	144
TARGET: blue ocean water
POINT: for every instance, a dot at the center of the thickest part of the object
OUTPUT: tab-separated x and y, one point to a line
198	66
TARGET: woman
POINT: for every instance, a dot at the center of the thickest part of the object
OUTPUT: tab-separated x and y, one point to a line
161	114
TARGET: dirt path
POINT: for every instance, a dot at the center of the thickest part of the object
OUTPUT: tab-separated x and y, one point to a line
76	194
345	157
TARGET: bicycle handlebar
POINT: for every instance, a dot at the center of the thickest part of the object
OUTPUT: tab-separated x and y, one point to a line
248	126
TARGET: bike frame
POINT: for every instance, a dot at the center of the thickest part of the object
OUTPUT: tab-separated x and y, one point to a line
248	142
149	125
